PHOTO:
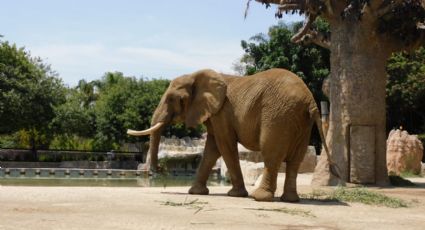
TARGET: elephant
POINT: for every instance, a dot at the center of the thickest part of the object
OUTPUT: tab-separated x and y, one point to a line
272	112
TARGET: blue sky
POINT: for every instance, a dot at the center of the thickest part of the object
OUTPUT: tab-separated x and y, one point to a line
83	39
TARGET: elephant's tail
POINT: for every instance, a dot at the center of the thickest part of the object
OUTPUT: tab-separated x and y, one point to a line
333	167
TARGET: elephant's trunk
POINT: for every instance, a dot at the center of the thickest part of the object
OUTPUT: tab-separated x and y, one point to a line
155	132
152	158
161	117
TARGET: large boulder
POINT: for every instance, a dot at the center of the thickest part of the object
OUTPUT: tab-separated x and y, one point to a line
404	152
307	165
252	165
250	170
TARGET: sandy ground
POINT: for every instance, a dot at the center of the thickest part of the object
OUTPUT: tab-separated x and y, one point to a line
143	208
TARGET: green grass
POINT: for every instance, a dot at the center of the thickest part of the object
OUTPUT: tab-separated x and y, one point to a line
356	195
407	174
193	204
290	211
365	196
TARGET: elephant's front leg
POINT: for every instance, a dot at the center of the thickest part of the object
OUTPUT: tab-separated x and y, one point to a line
231	158
238	185
211	154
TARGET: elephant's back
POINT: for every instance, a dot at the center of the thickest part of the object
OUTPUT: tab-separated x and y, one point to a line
280	78
276	94
281	84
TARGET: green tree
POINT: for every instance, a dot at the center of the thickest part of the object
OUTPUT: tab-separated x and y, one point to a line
124	103
29	91
406	91
363	35
275	50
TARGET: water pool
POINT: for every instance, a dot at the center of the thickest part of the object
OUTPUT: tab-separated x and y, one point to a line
153	181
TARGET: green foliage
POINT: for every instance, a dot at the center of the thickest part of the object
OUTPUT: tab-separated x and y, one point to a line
75	116
71	142
406	91
179	130
123	103
127	103
29	92
275	50
38	112
407	174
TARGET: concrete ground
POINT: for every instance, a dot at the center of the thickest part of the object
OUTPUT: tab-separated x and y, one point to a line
160	208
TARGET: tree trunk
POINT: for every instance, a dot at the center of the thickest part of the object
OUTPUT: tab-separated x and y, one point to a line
357	135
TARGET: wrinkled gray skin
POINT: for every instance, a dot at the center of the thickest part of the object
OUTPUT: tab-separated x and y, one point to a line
272	112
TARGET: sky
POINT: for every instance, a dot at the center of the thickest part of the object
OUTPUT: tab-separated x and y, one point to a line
83	39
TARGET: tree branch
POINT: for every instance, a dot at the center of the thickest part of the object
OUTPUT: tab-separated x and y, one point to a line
386	8
277	2
317	38
303	31
287	7
329	7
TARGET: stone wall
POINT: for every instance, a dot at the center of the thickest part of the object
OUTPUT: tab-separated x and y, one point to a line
131	165
176	147
180	156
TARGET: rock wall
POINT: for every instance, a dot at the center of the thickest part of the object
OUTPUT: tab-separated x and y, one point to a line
404	152
175	147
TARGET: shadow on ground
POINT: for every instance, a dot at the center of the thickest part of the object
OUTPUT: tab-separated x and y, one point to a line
305	201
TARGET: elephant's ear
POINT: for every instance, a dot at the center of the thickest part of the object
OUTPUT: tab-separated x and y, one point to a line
208	95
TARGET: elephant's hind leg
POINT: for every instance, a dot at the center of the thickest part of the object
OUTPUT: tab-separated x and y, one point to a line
273	155
211	154
292	165
290	188
274	148
267	187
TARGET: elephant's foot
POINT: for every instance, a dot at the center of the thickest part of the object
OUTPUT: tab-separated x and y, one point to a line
238	192
199	189
290	197
261	194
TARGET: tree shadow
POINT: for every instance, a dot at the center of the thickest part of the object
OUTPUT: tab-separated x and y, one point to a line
187	194
304	201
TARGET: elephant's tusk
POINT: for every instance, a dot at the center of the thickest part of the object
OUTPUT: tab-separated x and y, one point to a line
146	131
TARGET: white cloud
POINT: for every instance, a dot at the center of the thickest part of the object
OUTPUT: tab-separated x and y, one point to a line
90	61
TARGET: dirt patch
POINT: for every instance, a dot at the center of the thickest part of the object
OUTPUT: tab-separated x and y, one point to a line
147	208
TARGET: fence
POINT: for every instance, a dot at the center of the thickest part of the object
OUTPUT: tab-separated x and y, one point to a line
68	155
